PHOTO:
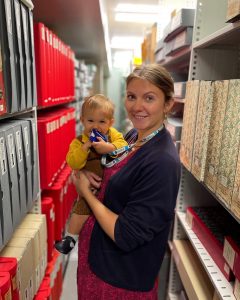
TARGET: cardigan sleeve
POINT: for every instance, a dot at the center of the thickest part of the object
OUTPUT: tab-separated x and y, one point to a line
76	157
150	207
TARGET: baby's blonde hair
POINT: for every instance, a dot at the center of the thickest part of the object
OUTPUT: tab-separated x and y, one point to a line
98	101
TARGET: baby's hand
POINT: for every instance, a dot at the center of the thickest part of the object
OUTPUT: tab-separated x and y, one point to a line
87	145
103	147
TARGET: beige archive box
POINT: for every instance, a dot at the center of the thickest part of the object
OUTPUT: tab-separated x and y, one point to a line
220	94
230	144
33	234
23	243
233	10
236	289
41	227
202	129
189	121
25	267
193	276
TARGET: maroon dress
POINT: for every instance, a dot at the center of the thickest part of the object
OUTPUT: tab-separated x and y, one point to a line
91	287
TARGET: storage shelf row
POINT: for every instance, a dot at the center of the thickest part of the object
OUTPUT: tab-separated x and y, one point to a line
222	286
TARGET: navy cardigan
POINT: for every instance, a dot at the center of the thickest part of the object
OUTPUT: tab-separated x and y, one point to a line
143	193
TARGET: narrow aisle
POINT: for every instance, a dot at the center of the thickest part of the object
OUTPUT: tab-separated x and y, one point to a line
69	282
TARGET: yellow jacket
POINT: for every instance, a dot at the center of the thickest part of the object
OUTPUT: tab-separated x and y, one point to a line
77	157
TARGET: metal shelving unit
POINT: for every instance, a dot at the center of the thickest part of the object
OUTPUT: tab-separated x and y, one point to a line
215	55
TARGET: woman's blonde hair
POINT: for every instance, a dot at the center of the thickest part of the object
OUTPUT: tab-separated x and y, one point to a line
98	101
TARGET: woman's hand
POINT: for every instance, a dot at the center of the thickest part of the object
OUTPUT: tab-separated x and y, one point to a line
94	179
81	182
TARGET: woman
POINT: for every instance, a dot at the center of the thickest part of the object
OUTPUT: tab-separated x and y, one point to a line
121	247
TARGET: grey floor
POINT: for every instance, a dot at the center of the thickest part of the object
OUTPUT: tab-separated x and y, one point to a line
69	291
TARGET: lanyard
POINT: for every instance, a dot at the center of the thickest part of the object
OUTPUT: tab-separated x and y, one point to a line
125	150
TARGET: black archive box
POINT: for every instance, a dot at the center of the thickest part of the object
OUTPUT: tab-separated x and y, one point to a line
26	133
19	55
8	130
21	166
8	55
25	45
32	59
5	200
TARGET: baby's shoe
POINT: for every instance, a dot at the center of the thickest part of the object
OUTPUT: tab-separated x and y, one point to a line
65	245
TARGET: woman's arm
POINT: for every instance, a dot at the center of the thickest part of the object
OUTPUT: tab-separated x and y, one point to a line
105	217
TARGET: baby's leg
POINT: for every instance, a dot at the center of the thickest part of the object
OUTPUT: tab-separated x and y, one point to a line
76	223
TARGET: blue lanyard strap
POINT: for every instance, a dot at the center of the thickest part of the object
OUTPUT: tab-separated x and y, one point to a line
125	149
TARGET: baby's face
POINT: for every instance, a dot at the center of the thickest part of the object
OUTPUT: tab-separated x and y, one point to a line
96	119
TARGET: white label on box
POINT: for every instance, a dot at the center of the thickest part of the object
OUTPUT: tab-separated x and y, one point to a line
228	253
226	269
52	215
11	149
189	219
3	156
26	140
43	33
19	146
237	289
34	136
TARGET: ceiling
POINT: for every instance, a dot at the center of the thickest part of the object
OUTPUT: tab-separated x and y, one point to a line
85	25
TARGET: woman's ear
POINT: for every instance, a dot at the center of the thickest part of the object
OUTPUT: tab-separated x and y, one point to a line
168	106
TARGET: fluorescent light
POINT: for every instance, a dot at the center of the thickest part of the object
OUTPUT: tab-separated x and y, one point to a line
126	42
136	17
136	8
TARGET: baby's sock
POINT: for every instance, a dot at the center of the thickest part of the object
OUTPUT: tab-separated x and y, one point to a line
74	236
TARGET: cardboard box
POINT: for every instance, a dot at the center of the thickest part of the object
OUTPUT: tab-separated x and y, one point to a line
220	94
41	227
25	267
229	145
189	122
210	234
182	19
23	242
233	11
231	253
194	278
202	130
34	235
236	289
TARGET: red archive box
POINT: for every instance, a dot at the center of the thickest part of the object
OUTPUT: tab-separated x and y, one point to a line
231	253
44	291
9	264
5	285
58	271
62	181
56	192
45	138
209	241
48	209
41	63
54	272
